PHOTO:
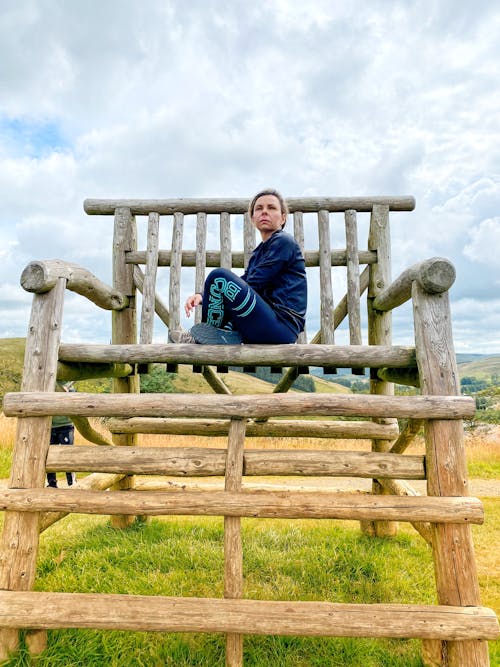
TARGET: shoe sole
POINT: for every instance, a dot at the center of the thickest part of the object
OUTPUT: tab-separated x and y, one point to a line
205	334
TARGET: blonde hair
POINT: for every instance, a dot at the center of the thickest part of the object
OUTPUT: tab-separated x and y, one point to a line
274	193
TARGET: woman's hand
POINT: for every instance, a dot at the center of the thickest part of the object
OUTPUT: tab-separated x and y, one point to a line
191	302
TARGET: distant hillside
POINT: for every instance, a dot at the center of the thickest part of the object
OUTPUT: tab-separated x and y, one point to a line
11	364
481	369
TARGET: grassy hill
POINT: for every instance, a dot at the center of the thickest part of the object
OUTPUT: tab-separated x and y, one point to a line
481	369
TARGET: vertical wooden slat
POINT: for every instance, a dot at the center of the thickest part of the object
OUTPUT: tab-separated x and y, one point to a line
233	549
453	550
226	260
149	284
20	539
298	232
175	271
248	238
353	306
325	277
353	296
124	328
201	258
379	333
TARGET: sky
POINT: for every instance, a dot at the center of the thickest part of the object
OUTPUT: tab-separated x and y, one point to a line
191	98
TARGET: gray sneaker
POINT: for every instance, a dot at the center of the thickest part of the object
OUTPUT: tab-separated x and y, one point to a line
205	334
180	336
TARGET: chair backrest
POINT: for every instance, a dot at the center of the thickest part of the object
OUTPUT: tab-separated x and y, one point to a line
192	221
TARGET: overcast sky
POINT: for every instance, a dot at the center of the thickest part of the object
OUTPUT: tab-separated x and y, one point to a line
184	98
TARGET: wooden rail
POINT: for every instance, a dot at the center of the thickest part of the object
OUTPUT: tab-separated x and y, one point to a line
261	504
200	462
253	617
272	428
41	277
39	404
342	356
235	205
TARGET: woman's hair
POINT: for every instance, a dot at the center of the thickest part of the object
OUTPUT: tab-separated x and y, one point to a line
274	193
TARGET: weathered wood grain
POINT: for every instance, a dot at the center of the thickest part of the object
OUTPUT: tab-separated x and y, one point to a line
240	205
257	504
253	617
434	275
41	276
272	428
39	404
453	550
202	462
343	356
239	259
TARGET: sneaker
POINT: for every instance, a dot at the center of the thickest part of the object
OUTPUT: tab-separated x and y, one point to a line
205	334
180	336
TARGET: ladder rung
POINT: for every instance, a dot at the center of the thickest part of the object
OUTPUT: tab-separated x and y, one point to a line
40	404
277	504
35	609
201	461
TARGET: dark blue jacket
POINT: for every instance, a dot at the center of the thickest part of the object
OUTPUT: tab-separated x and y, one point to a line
277	272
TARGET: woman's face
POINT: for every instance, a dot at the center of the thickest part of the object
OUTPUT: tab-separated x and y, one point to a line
267	215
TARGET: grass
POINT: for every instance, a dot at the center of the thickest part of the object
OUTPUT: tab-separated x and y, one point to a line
320	560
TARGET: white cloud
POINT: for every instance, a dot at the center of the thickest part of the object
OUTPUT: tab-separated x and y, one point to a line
484	244
216	97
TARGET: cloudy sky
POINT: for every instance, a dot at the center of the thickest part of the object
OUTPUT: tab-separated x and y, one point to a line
168	98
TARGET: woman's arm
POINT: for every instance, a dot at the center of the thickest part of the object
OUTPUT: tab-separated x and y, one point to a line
191	302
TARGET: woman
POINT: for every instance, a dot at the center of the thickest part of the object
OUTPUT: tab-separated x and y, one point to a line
268	303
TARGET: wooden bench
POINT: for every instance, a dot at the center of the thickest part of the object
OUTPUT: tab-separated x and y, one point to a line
457	629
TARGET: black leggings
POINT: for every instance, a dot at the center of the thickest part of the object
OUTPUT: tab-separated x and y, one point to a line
227	299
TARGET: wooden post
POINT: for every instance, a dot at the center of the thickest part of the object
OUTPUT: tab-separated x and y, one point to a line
233	549
19	547
453	551
379	333
124	327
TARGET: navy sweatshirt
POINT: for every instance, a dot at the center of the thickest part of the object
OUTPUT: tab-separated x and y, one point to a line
276	271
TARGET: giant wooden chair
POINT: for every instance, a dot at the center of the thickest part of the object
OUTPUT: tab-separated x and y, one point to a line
455	630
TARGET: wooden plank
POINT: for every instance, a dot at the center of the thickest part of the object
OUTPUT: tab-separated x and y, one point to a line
240	205
407	436
325	276
233	547
39	277
345	356
225	240
453	549
174	293
435	275
201	259
240	259
20	539
149	284
248	242
201	462
160	308
272	428
379	331
252	617
261	504
124	326
39	404
353	293
298	232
